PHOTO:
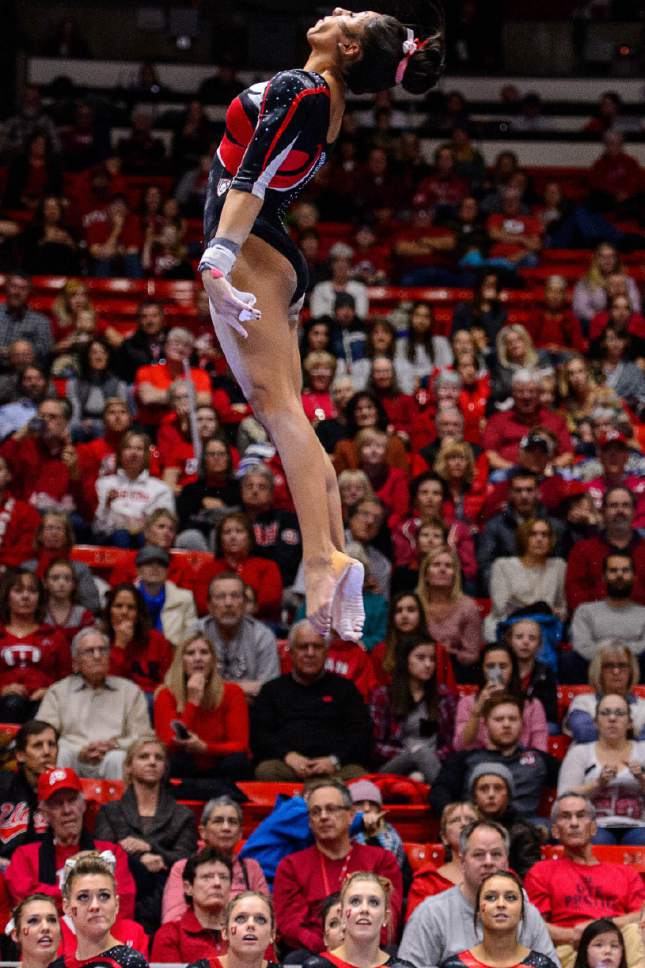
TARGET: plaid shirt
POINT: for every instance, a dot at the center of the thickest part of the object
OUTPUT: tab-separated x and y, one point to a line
29	325
387	729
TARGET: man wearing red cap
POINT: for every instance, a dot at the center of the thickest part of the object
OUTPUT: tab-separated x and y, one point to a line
38	867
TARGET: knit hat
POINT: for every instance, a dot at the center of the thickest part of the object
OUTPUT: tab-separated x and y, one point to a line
366	790
494	769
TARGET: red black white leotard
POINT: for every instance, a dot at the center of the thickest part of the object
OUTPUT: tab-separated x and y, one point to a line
275	140
120	956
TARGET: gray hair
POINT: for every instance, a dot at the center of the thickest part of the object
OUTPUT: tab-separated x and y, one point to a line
524	375
83	634
453	411
261	470
292	638
600	414
223	801
448	378
468	831
555	809
556	280
179	332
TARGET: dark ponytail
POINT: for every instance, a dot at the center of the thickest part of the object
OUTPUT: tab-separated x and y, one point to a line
382	44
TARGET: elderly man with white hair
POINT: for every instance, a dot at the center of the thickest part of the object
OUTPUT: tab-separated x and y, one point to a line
96	715
152	384
506	429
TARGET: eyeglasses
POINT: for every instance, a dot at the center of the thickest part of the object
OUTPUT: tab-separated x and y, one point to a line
620	713
333	809
616	665
220	821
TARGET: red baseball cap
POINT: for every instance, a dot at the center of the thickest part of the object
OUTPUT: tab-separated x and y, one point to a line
57	779
612	437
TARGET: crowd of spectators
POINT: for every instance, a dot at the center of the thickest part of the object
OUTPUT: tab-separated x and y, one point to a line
492	483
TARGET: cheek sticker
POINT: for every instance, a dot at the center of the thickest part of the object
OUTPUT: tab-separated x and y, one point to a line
233	930
348	913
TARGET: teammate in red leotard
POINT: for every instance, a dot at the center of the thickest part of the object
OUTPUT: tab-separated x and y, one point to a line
91	903
278	134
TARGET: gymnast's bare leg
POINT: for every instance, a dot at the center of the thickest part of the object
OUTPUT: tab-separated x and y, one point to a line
265	368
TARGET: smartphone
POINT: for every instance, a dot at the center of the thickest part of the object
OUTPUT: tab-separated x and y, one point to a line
494	676
179	729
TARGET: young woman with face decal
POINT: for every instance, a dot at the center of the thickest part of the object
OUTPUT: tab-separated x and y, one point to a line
499	910
91	903
36	931
249	931
364	911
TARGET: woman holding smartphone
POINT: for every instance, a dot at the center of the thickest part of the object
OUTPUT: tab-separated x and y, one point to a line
498	673
203	720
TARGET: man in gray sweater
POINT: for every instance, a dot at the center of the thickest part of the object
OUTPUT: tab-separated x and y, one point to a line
616	615
443	925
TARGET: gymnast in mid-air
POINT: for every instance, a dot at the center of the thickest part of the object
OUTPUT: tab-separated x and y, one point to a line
278	134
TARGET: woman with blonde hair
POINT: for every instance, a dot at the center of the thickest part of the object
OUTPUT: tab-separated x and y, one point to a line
514	350
148	823
530	576
319	368
429	879
203	720
91	903
72	300
455	465
579	392
613	669
590	292
249	931
389	484
365	912
452	618
354	486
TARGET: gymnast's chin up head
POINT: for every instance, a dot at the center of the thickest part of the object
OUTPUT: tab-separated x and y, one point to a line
381	51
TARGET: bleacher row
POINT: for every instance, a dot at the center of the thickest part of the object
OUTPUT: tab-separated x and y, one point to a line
120	299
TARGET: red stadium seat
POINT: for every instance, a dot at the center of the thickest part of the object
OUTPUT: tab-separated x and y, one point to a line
99	558
266	792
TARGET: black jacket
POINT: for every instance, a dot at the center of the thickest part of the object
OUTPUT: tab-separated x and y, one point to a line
326	718
172	832
134	352
20	820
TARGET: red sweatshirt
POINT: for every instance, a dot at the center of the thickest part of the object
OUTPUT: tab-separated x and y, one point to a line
18	525
225	730
22	874
35	661
262	574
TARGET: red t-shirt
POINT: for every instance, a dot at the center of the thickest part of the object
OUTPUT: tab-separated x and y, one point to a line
566	893
555	329
160	376
97	229
518	225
